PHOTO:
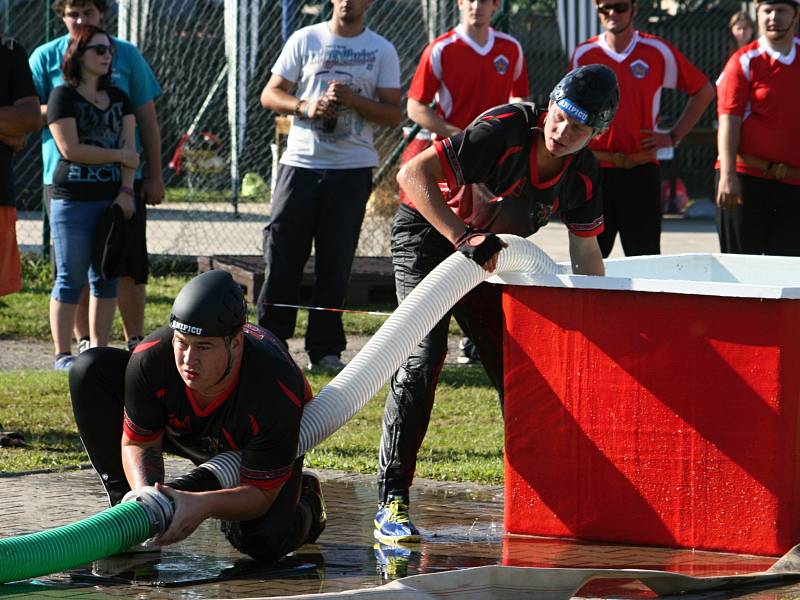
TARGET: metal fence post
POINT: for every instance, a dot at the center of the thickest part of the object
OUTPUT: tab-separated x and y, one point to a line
48	26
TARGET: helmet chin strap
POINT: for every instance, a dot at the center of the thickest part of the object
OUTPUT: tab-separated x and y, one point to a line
788	29
229	366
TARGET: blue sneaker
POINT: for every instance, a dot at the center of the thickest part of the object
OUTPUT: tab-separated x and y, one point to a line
391	561
392	524
63	362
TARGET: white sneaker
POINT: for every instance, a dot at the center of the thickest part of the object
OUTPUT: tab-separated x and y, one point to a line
84	345
467	352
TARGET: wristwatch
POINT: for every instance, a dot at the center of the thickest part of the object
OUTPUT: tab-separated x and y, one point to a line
124	189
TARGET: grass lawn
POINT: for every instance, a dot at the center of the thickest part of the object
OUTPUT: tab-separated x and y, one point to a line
25	314
184	194
464	441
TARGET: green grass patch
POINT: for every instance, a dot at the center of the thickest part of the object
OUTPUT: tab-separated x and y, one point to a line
464	441
37	404
185	194
25	314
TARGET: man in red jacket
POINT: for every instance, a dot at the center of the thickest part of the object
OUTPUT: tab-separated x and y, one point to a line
644	64
758	193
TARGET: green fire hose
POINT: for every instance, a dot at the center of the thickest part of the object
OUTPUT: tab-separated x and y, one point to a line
139	517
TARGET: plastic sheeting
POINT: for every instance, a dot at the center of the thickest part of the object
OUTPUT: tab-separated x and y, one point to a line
511	583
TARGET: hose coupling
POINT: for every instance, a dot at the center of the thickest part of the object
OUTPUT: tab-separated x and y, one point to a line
159	507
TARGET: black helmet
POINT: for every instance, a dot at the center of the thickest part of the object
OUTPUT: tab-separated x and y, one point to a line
792	2
212	304
589	95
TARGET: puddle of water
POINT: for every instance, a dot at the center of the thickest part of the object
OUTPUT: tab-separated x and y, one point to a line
47	589
459	531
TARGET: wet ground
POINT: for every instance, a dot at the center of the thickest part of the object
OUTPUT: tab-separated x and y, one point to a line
461	525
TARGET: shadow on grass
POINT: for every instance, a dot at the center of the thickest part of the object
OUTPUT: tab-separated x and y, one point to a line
471	376
56	441
435	455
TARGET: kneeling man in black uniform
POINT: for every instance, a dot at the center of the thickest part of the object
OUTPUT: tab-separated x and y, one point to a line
208	383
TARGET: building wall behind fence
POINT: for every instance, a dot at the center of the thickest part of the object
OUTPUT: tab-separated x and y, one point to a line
184	42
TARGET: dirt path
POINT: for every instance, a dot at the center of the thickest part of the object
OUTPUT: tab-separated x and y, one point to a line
38	354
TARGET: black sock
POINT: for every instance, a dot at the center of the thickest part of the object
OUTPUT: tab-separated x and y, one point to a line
133	342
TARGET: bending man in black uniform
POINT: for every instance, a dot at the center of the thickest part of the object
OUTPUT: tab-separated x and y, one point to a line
506	173
207	384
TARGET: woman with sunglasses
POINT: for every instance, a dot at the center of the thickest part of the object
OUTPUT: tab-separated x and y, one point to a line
92	124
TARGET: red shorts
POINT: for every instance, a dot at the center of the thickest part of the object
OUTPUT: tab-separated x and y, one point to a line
10	267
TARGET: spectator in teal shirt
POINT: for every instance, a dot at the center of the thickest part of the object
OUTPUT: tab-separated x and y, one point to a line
130	73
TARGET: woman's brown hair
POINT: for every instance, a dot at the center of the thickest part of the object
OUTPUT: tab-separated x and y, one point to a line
71	65
744	17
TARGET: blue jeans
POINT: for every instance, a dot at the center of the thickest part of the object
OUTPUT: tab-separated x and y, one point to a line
72	226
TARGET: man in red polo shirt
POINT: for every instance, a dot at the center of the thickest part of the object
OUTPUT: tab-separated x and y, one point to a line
467	71
644	64
758	191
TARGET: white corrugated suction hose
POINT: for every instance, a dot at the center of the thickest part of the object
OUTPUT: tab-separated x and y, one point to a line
386	351
383	354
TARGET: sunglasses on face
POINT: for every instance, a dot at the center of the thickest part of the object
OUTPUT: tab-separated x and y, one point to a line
619	8
100	49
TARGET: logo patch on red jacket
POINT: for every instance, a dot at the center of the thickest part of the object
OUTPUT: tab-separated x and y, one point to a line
640	69
501	65
179	424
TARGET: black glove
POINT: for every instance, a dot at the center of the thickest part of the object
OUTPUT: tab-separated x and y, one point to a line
478	245
198	480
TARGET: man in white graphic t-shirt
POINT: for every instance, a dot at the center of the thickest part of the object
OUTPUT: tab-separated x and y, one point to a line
337	79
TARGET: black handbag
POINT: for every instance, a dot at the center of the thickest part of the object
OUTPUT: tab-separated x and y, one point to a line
112	238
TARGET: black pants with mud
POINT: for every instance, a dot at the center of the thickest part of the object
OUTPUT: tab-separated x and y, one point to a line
97	387
417	248
632	208
765	223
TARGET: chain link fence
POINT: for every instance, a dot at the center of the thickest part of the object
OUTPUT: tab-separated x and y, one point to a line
212	84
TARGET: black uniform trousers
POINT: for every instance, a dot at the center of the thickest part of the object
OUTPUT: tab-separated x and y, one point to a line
417	248
766	222
632	208
326	207
97	387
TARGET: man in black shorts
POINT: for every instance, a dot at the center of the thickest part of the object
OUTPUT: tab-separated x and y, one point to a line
207	384
513	167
